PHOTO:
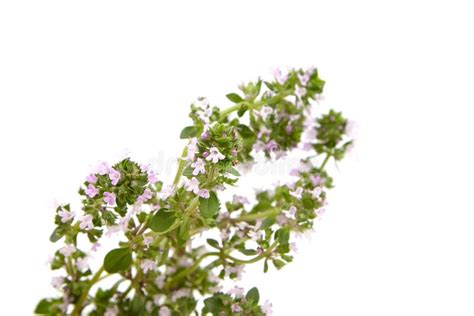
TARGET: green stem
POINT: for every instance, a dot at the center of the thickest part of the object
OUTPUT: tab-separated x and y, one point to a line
78	308
191	269
328	155
255	259
254	216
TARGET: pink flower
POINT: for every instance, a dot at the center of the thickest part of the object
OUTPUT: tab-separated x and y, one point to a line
193	185
267	308
164	311
303	78
289	129
146	195
86	222
199	167
65	215
91	191
192	148
315	180
280	76
238	199
316	192
109	198
148	265
92	178
152	178
82	264
292	210
95	246
214	155
114	176
204	193
67	250
236	308
160	281
282	219
297	193
103	168
147	241
271	146
167	192
237	291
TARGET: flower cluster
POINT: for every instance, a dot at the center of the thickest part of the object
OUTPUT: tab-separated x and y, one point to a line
159	266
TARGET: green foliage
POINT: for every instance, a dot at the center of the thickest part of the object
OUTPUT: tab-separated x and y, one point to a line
118	260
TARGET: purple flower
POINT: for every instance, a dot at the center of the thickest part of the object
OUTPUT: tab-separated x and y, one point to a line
267	308
315	180
193	185
148	265
65	215
146	195
316	192
67	250
236	308
103	168
289	129
109	198
92	178
214	155
164	311
238	199
238	292
152	178
86	222
192	148
91	191
203	193
166	192
57	282
198	166
280	76
303	78
271	146
114	176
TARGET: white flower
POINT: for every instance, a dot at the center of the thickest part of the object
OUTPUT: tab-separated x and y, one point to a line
82	264
282	219
65	215
264	113
148	240
167	192
193	185
237	291
198	166
292	210
297	193
57	282
316	192
86	222
160	281
148	265
214	155
67	250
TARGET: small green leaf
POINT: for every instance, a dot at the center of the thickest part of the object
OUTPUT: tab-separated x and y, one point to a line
57	234
245	131
209	207
248	252
43	307
278	263
234	97
118	260
232	171
213	243
162	221
253	295
189	132
242	110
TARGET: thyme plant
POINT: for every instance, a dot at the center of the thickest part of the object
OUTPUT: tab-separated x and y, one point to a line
157	267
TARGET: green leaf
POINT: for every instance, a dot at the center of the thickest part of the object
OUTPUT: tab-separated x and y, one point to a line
162	221
245	131
242	110
232	171
253	295
234	97
278	263
118	260
209	207
189	132
57	234
248	252
213	243
43	307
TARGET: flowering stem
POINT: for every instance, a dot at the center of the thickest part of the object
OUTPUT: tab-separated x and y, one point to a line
78	308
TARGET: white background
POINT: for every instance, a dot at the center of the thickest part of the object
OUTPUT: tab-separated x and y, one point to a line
89	80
